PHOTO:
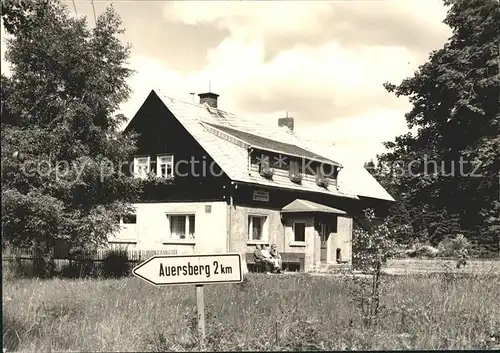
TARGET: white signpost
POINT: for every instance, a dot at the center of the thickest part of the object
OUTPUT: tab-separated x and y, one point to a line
196	269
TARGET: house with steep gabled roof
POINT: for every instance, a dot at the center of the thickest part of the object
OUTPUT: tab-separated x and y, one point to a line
229	183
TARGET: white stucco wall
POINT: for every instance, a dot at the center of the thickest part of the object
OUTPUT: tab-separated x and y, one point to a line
151	229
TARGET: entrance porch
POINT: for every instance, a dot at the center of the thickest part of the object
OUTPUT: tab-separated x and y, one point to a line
322	233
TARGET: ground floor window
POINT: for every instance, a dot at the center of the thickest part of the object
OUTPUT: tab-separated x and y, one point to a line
127	232
129	219
256	228
181	227
299	232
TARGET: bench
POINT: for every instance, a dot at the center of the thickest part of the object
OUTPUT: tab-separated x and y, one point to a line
290	262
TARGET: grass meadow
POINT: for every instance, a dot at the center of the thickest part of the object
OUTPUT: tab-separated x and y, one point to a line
265	312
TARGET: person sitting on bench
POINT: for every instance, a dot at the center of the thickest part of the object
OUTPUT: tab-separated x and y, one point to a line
276	257
270	258
262	257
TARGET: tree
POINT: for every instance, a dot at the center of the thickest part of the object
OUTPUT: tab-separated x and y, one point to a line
399	217
455	153
62	151
372	246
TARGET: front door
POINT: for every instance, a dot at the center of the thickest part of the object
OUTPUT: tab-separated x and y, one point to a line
323	233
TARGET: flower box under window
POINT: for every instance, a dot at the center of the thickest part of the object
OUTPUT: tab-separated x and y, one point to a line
295	174
267	173
321	179
265	169
296	178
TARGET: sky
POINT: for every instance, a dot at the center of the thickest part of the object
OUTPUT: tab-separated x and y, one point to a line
321	62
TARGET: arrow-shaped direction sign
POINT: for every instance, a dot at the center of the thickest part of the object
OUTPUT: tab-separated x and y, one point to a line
162	270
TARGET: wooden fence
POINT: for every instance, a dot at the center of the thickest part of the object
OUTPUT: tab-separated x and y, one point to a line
21	261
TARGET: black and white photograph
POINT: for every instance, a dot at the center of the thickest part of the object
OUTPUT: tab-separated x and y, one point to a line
245	175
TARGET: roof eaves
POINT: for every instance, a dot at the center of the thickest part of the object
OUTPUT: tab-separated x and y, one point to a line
237	180
209	126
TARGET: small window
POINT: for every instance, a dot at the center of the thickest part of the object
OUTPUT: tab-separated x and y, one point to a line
336	171
265	162
326	170
295	168
321	170
256	228
165	166
181	227
299	232
130	219
295	172
321	176
141	167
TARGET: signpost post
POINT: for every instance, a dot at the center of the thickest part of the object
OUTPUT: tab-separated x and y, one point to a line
197	270
200	308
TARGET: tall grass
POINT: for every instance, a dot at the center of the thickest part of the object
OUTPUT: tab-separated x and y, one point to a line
296	312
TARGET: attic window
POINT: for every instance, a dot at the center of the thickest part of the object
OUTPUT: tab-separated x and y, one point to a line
264	162
141	167
321	176
295	171
327	170
265	166
336	171
165	166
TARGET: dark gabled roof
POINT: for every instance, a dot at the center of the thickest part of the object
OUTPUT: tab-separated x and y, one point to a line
231	152
271	145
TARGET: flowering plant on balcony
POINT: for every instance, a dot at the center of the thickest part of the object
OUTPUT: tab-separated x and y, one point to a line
153	179
267	172
322	181
296	178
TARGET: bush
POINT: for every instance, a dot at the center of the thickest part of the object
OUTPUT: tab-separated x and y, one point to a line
116	264
427	251
81	264
449	247
81	268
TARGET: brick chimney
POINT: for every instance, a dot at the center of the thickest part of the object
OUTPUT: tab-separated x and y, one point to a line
288	122
209	98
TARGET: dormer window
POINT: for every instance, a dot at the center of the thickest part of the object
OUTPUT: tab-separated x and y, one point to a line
141	167
165	166
295	172
321	179
265	162
327	170
336	171
265	166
